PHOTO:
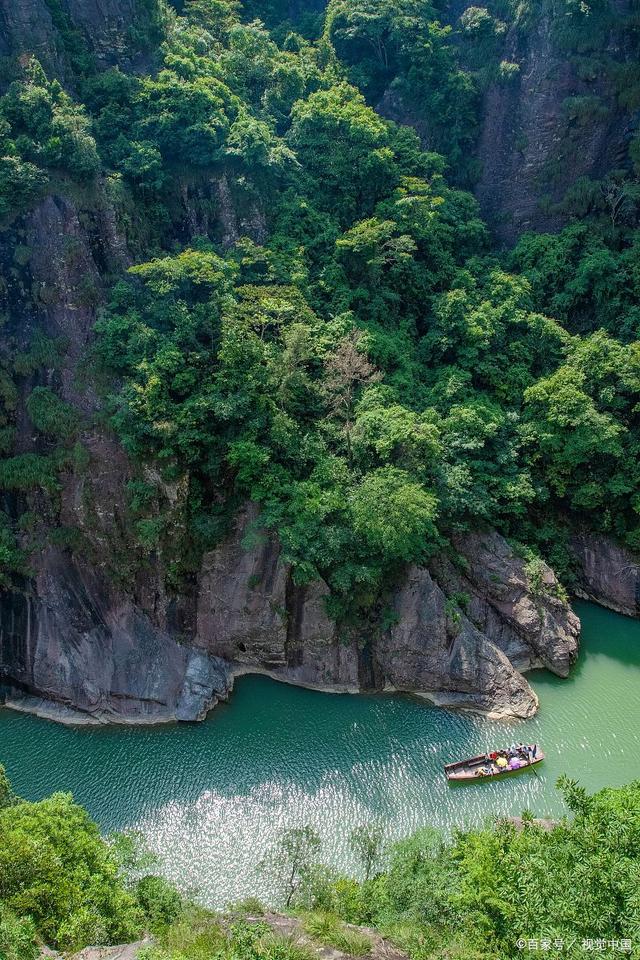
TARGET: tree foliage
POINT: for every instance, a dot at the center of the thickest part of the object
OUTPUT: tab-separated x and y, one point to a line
364	367
480	895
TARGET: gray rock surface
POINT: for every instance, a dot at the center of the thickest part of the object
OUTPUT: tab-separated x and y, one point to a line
523	614
608	573
241	600
124	951
530	148
81	643
74	643
27	26
109	28
436	651
251	613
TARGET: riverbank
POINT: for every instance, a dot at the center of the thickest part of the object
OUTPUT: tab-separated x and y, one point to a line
71	717
210	798
286	928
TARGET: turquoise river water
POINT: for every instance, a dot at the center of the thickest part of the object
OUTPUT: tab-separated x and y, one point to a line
211	798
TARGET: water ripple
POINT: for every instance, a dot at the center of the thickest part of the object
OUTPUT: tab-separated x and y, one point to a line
212	798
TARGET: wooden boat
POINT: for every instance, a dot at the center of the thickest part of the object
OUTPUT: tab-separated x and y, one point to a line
464	770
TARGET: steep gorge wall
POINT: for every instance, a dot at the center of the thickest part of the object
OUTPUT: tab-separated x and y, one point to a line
74	641
532	146
114	31
94	633
555	118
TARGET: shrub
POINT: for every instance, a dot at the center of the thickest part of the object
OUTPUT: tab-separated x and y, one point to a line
56	869
331	932
161	902
17	936
51	415
28	471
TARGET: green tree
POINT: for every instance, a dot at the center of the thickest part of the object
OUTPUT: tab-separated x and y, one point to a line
394	515
7	796
17	936
367	842
293	858
346	148
56	869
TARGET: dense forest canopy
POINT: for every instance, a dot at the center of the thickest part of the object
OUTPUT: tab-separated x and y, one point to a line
354	353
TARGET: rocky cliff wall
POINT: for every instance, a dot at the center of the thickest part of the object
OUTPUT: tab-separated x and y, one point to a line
113	31
96	628
72	648
537	134
94	632
532	146
608	574
75	640
28	27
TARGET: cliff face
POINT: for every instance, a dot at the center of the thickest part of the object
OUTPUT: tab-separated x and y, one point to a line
113	31
87	638
28	26
93	633
608	574
80	643
533	144
87	634
554	118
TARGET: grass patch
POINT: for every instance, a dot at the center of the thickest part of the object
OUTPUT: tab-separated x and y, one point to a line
201	935
328	930
249	907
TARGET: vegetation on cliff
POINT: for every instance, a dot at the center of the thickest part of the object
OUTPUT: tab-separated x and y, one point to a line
344	347
337	338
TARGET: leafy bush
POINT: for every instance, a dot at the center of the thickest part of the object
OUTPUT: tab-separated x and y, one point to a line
161	903
17	937
51	415
56	869
479	894
41	129
12	561
28	471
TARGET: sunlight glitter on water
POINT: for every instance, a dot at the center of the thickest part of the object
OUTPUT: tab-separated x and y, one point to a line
212	798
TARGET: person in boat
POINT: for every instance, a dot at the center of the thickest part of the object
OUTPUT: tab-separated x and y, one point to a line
485	771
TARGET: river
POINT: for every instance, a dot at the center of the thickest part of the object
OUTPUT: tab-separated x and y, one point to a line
212	798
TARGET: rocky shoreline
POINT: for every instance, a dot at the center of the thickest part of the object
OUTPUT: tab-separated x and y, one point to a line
462	634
